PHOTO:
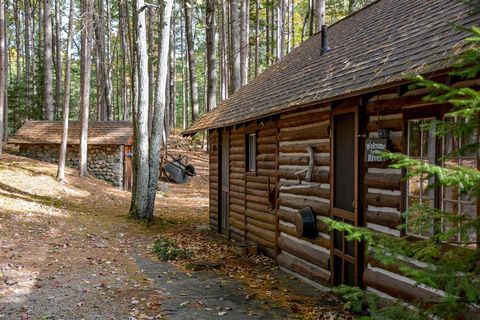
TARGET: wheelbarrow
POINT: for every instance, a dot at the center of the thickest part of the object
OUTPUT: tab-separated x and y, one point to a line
178	169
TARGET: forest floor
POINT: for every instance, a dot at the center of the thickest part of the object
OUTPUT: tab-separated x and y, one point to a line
69	251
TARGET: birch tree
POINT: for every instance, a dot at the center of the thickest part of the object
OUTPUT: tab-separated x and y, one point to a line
85	73
58	55
159	109
172	76
257	37
191	60
139	203
244	40
224	50
122	29
27	57
319	14
66	96
280	29
48	60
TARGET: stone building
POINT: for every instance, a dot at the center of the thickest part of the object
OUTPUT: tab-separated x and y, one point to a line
109	147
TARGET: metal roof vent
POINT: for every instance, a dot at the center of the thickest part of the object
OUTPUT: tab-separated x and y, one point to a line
325	47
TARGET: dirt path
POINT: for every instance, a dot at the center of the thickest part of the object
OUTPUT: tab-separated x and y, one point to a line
68	251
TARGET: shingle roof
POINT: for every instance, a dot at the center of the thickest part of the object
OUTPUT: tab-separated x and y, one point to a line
50	132
371	48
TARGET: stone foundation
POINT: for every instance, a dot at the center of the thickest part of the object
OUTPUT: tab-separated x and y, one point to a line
104	162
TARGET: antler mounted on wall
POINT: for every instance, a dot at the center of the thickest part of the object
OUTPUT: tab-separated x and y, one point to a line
309	170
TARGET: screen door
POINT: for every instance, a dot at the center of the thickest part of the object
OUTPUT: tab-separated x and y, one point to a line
346	263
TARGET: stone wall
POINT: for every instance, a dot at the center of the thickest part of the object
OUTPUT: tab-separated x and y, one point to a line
104	162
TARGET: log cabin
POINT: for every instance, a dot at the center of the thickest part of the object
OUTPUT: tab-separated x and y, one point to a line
295	143
109	147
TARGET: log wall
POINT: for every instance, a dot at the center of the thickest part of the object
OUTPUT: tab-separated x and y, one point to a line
383	189
263	203
237	184
213	179
260	212
383	196
298	131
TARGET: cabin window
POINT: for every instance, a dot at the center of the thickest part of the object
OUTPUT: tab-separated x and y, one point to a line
422	145
251	152
452	199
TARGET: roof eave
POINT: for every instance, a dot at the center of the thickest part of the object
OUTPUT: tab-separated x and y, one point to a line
191	132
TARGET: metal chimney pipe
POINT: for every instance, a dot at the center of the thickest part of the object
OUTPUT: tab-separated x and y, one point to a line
325	47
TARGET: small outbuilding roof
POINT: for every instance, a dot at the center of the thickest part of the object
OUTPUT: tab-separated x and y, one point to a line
370	49
50	132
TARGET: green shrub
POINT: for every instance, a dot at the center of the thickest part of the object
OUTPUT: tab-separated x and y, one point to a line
167	250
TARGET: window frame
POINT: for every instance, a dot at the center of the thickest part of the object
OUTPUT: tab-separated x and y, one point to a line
434	198
437	113
249	169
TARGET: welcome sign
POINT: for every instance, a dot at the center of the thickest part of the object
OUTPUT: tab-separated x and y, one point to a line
374	146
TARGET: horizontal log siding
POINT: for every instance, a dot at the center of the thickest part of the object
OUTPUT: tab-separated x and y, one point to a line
260	215
213	179
383	198
237	184
382	184
297	131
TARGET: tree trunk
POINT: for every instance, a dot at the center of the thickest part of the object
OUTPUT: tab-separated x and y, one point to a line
66	97
319	14
272	32
99	77
48	61
312	16
138	207
108	66
191	61
58	56
280	29
6	72
257	37
224	61
267	31
159	110
244	43
85	66
184	78
125	54
2	70
151	72
235	47
18	70
173	74
211	57
292	22
288	26
27	58
100	61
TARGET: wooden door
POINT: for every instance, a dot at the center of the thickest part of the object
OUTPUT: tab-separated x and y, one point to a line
224	186
346	256
127	169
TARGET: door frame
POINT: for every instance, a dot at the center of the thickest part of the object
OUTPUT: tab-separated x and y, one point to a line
357	217
221	188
